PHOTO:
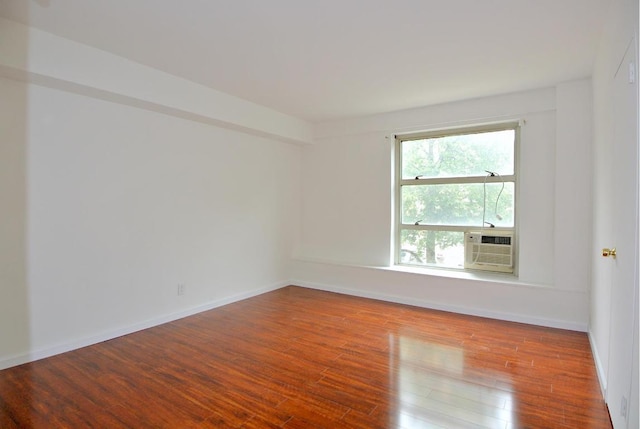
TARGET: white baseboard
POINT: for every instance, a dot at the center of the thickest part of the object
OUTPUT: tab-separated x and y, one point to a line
35	355
10	361
510	317
602	376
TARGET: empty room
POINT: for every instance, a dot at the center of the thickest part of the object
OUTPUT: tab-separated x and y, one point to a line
337	214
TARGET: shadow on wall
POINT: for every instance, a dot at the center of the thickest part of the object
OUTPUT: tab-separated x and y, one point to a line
14	292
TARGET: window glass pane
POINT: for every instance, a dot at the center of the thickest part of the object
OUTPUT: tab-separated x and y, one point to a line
458	204
436	248
459	155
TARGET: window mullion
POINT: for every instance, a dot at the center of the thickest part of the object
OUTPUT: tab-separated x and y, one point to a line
455	180
427	227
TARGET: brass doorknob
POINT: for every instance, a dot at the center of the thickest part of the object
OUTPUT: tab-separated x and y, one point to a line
609	252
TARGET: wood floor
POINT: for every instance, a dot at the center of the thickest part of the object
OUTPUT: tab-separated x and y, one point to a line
299	358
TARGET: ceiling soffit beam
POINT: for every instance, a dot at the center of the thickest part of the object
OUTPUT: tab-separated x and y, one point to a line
45	59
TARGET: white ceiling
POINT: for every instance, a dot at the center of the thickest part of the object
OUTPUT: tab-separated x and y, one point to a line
328	59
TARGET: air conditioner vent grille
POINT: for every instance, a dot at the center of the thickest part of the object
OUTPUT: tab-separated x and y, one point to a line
496	239
489	251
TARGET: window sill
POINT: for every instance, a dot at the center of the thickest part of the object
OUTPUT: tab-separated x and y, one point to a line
453	273
482	276
472	275
479	276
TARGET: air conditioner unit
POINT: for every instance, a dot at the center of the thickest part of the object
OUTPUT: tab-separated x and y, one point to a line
489	251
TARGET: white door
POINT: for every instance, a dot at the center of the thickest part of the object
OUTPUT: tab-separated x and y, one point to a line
624	144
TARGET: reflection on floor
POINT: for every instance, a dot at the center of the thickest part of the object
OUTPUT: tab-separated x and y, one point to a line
432	388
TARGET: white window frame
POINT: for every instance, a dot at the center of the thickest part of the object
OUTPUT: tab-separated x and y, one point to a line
399	182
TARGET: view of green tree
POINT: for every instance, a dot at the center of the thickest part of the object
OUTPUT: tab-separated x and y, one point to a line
468	155
459	155
457	204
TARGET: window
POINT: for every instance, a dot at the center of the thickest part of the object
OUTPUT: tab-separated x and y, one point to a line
454	182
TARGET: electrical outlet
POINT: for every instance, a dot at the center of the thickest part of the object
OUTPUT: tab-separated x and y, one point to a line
623	407
181	289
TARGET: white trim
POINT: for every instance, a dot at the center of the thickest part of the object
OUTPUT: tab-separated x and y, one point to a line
602	376
473	128
35	355
509	317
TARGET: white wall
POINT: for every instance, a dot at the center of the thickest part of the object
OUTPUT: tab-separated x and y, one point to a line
346	217
574	173
120	182
123	204
14	309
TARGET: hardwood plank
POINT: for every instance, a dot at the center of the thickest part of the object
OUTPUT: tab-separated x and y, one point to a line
301	358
